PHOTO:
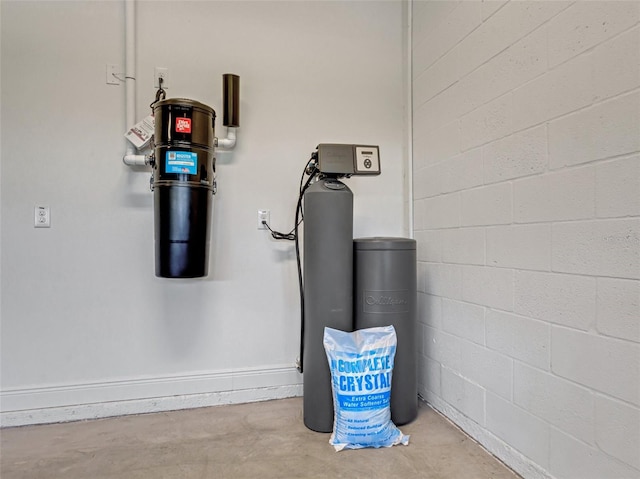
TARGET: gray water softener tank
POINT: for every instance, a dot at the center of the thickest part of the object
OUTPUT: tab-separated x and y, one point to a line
385	294
328	290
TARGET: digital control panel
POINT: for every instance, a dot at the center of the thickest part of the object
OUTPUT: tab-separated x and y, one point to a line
367	160
347	160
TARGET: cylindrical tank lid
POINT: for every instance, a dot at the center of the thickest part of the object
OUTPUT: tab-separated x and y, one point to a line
384	243
185	102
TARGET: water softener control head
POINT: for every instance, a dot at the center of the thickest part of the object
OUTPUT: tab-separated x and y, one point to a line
347	160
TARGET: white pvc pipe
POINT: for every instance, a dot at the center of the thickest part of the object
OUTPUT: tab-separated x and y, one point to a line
130	66
130	157
135	160
409	118
228	142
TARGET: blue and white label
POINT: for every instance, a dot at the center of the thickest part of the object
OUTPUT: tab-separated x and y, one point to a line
364	402
181	162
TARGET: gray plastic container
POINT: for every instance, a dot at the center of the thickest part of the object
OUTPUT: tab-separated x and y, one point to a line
328	290
385	294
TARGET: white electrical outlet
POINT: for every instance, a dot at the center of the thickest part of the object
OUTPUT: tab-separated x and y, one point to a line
42	217
161	72
263	215
113	74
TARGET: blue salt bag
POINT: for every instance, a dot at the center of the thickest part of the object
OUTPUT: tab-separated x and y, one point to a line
361	365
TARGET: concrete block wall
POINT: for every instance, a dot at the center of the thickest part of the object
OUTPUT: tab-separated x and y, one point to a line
526	153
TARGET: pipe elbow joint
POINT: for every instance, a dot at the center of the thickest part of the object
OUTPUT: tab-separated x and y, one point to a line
229	142
135	160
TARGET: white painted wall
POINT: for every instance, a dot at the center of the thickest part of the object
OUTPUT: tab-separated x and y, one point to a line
84	320
527	215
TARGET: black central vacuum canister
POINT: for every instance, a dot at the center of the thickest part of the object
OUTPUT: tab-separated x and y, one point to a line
385	294
328	290
183	184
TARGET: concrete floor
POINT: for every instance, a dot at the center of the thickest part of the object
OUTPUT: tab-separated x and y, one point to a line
266	440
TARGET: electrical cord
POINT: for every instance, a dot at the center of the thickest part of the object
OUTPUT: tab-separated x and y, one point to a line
290	236
299	213
161	94
293	235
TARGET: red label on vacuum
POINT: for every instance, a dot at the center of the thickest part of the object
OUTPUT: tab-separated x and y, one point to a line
183	125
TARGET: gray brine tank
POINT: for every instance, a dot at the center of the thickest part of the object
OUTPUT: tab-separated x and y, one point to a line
385	294
328	290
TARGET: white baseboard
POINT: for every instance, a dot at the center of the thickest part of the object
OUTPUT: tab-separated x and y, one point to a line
512	458
76	402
